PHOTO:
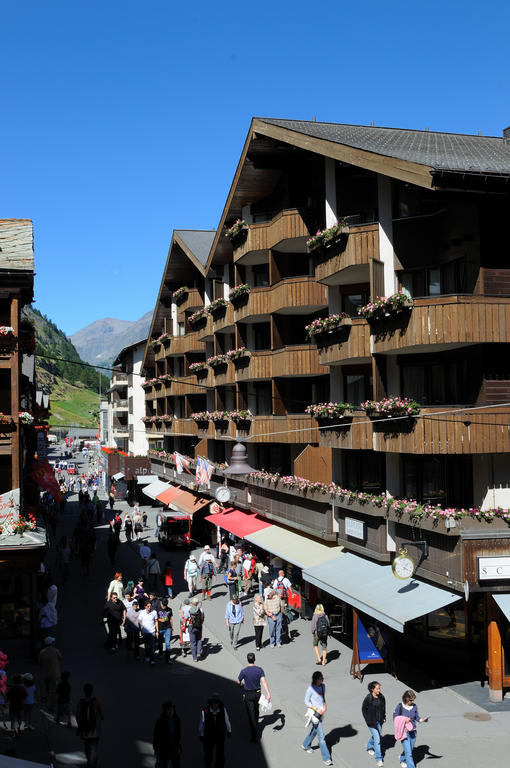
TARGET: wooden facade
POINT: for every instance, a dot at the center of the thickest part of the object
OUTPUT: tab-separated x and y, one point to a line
286	227
356	247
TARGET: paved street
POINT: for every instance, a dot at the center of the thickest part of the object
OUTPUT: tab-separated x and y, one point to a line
132	693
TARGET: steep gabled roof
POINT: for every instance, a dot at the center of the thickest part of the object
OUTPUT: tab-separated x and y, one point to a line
197	241
454	152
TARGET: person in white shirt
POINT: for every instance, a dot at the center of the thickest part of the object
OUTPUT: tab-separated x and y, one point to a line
206	555
281	584
148	623
191	574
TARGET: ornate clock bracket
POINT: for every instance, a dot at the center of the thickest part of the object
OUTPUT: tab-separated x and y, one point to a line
421	544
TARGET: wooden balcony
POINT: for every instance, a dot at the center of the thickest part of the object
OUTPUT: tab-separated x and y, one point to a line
351	433
187	385
224	321
223	374
288	226
350	343
445	322
256	304
182	427
193	300
205	332
298	295
299	360
187	343
258	366
479	432
352	250
293	428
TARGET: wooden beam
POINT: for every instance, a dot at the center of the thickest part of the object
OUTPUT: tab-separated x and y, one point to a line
15	374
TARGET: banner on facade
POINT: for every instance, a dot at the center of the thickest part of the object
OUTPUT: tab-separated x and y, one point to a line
44	476
9	505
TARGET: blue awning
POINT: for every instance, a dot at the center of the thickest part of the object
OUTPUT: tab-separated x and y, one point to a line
374	589
504	603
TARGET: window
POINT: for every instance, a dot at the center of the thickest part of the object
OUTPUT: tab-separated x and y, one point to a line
262	336
357	387
260	275
351	302
438	480
263	398
436	383
180	329
364	471
435	281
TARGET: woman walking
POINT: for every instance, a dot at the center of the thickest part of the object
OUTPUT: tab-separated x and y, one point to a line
374	712
405	728
259	620
320	632
232	579
116	586
315	700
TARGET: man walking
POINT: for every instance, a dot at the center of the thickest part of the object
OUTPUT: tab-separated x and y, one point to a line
234	617
132	629
145	553
273	609
214	726
148	623
49	665
115	614
196	618
154	571
191	574
207	574
253	678
89	715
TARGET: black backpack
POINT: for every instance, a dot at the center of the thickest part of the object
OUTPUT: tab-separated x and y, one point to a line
322	627
86	718
196	619
207	568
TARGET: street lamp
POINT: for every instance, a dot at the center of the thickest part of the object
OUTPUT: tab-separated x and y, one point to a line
239	461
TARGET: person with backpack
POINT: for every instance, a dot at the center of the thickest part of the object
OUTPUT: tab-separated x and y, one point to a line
320	632
373	710
191	574
281	585
214	726
89	715
196	620
234	617
405	718
207	574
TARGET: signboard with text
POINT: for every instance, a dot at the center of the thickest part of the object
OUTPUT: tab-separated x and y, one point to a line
9	504
492	568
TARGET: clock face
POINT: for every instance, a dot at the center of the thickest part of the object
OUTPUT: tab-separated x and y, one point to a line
223	494
403	567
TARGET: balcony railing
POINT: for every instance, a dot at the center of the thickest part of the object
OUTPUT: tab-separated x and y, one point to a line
258	366
445	320
120	404
194	300
223	320
287	225
119	380
187	343
294	295
297	360
347	343
353	249
205	330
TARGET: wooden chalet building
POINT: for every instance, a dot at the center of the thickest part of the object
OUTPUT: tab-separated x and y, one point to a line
388	245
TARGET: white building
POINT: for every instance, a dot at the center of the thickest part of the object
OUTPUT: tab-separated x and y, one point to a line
126	401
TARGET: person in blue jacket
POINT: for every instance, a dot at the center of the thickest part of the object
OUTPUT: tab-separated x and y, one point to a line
409	710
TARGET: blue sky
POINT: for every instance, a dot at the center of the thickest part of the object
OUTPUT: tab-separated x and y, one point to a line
122	121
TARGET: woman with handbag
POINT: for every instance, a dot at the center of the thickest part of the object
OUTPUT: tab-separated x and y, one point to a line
315	700
259	620
409	711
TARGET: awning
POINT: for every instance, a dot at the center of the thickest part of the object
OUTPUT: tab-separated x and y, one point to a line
504	603
237	522
118	476
189	503
374	589
153	489
290	546
171	493
146	479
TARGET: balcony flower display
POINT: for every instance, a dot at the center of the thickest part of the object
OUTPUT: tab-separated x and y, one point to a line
146	384
25	417
164	337
166	417
165	377
216	306
145	419
180	294
385	306
240	416
200	416
238	354
325	236
196	317
238	292
391	406
5	418
329	411
217	360
237	230
154	344
11	526
6	331
197	367
154	419
216	416
326	324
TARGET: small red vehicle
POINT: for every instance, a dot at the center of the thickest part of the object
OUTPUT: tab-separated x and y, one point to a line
71	468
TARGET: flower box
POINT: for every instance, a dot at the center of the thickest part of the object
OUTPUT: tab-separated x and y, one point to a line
154	345
198	317
386	306
241	416
329	324
239	292
326	237
241	353
199	369
6	331
218	416
217	360
237	231
330	411
390	407
164	338
217	307
180	294
25	417
201	417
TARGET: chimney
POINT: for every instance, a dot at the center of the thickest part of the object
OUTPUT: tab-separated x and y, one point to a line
506	135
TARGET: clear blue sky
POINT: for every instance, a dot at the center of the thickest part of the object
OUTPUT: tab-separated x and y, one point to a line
121	121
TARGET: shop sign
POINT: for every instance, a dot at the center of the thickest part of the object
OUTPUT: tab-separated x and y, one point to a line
491	568
354	528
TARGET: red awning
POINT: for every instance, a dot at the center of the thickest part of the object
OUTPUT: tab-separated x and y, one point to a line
169	494
239	523
189	503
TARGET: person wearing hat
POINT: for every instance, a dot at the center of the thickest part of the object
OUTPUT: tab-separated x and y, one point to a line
214	726
234	617
196	617
49	665
191	574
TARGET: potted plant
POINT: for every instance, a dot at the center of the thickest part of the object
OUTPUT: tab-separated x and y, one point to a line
237	232
330	412
325	237
25	417
241	353
238	293
199	369
198	317
390	407
217	361
386	306
328	324
180	294
217	417
217	307
242	418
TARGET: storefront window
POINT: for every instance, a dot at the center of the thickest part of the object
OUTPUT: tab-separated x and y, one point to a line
15	606
448	622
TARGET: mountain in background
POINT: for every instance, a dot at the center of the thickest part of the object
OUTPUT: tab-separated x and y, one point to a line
100	342
72	386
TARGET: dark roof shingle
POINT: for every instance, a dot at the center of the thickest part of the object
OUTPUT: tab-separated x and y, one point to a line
199	241
441	151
